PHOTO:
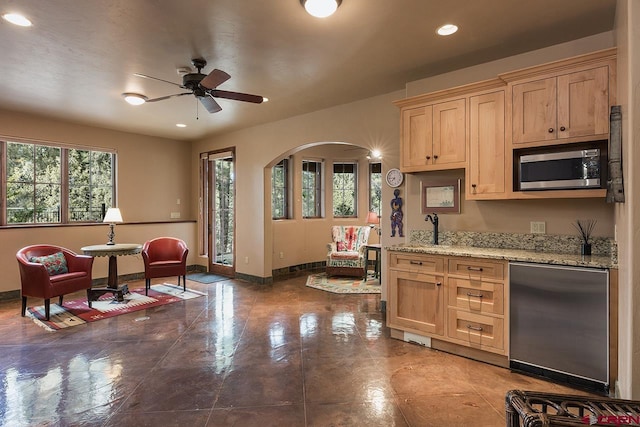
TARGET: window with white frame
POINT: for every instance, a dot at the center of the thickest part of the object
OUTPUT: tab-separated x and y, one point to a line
49	184
375	187
345	190
311	189
280	190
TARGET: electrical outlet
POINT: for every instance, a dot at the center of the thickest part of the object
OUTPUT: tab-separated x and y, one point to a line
246	260
538	227
175	215
281	255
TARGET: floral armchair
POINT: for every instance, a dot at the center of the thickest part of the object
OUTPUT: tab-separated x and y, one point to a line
346	251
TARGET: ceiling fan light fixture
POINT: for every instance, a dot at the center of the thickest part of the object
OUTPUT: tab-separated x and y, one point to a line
134	98
320	8
17	19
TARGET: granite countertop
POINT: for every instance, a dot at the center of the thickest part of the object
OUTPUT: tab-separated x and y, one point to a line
595	261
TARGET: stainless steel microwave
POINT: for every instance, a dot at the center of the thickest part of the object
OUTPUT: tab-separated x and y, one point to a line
561	169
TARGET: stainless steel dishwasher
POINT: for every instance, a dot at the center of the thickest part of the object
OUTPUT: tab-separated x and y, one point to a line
559	323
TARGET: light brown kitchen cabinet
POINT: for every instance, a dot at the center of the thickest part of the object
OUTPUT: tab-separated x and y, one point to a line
476	313
555	109
433	136
486	172
452	299
416	294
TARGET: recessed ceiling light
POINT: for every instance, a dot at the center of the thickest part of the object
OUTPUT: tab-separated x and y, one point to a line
17	19
181	125
134	98
320	8
447	29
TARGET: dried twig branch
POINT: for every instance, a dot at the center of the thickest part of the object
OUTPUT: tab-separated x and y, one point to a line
585	228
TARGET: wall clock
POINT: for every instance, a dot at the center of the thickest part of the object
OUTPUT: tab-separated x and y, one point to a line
394	177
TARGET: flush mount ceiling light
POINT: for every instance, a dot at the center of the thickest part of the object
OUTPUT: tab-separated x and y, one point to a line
320	8
181	125
134	98
447	29
17	19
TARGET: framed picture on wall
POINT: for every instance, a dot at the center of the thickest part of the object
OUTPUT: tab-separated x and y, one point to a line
440	197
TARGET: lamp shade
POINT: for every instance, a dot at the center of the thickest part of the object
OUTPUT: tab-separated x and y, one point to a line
112	216
373	218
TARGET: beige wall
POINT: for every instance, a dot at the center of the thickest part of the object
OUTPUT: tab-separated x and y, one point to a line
627	214
290	237
152	173
371	123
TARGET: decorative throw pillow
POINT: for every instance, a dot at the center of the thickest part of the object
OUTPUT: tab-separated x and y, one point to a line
54	263
341	246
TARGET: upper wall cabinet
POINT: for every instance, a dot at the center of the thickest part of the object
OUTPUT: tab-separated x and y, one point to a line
561	102
558	108
433	136
486	173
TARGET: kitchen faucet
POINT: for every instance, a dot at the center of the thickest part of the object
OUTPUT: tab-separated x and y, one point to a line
434	221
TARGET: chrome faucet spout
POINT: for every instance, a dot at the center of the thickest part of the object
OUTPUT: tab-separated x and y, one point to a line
434	221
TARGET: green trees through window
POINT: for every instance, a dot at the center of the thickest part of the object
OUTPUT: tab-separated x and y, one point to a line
38	191
345	184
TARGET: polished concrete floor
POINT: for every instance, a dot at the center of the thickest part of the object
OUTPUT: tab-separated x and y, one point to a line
244	355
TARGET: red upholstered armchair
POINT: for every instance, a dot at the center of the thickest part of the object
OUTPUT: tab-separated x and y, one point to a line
163	257
45	275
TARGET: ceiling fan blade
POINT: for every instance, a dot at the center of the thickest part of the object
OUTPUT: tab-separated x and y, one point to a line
210	104
214	79
162	98
144	76
237	96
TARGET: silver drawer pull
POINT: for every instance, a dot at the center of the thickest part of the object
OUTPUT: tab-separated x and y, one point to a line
474	268
469	294
415	262
438	283
474	328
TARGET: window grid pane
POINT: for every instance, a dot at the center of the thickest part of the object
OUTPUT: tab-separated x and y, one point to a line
375	187
34	183
345	190
280	190
311	189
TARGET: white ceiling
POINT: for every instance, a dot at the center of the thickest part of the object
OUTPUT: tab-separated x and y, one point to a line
80	55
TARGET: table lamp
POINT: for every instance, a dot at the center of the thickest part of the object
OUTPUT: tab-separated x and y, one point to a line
112	216
373	219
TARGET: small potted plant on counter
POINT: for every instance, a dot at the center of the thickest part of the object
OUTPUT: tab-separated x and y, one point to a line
585	229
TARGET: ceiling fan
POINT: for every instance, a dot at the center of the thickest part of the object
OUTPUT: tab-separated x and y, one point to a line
203	86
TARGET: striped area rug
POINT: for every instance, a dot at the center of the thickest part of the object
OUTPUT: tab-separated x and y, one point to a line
77	312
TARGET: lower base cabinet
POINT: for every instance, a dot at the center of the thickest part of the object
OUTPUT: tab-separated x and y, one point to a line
454	299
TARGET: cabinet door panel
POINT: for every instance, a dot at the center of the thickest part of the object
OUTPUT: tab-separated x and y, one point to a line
534	111
583	103
486	146
449	132
476	296
479	269
416	302
417	136
475	330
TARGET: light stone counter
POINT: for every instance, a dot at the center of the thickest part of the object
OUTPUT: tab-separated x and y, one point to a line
596	261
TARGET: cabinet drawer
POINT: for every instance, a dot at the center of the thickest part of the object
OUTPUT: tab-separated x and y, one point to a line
416	262
476	296
477	268
476	330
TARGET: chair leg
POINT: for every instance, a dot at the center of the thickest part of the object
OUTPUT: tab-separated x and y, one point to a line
184	282
24	305
147	286
60	301
89	297
47	308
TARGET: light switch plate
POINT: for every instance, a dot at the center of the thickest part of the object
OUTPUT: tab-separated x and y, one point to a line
538	227
175	215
